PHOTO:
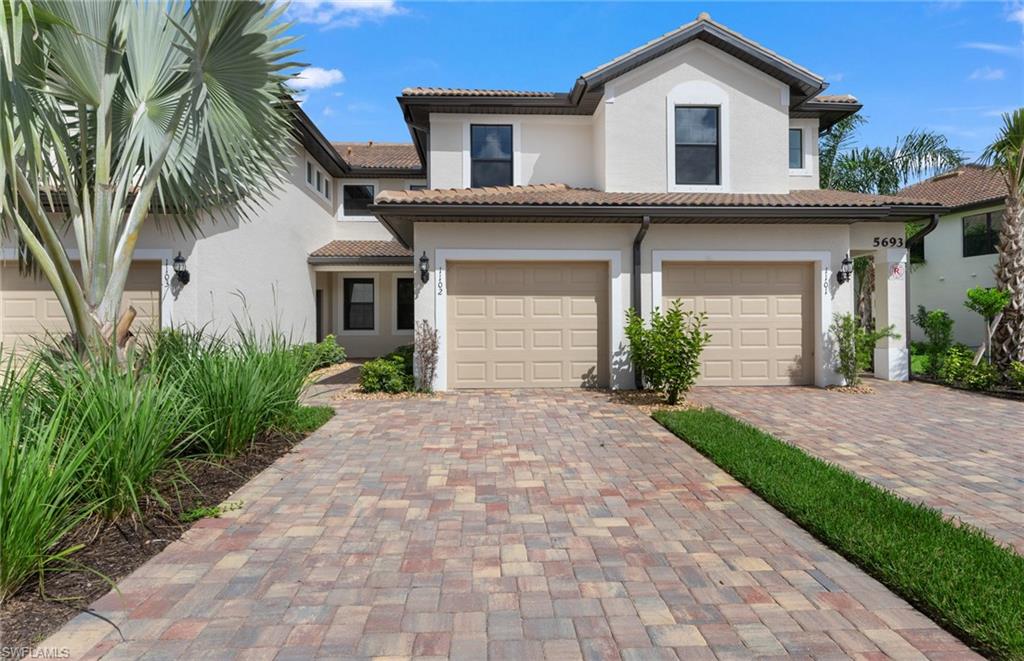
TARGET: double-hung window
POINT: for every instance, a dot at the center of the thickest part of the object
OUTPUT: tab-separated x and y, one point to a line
981	233
358	304
490	152
796	149
697	145
405	304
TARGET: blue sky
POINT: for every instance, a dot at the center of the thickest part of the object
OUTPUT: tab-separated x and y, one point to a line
945	66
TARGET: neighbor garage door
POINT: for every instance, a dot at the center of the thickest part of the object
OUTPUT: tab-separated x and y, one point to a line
760	316
29	308
527	324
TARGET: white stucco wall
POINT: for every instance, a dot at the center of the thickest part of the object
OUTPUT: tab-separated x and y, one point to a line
807	177
943	280
743	242
754	121
371	226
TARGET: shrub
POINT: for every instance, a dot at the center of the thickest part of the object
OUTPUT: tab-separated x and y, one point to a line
41	485
987	301
938	328
854	346
958	368
321	354
386	374
668	352
427	344
138	419
1015	375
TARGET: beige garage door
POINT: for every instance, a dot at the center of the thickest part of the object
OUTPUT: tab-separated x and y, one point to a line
527	324
29	309
760	316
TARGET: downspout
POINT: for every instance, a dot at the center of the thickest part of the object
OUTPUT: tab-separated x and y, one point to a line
635	296
911	242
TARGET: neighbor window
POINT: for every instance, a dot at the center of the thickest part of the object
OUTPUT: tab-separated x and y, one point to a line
358	307
981	233
357	199
697	145
417	187
796	149
405	307
309	172
490	152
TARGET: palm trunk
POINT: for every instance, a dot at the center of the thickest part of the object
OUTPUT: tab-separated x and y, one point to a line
1008	339
865	295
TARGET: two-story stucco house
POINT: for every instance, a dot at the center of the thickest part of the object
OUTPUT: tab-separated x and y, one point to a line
960	253
522	225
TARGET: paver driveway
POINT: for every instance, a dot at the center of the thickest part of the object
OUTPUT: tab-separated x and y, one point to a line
520	525
958	451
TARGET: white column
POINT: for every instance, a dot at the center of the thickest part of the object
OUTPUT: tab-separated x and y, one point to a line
892	359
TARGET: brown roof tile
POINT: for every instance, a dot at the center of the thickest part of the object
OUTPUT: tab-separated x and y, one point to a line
356	249
379	155
454	91
563	195
836	98
967	186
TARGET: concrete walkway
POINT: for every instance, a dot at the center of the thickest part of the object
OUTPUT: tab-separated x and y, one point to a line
958	451
520	525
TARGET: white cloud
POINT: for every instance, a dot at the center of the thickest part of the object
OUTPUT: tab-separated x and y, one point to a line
1016	13
315	78
987	73
327	111
835	77
329	14
1002	49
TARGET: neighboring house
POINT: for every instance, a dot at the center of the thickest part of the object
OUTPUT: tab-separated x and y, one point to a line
960	253
685	169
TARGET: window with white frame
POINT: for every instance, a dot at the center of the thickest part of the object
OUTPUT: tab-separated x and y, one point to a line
490	153
697	145
318	180
356	199
796	149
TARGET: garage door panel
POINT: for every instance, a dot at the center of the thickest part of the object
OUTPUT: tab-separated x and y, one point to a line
759	317
544	323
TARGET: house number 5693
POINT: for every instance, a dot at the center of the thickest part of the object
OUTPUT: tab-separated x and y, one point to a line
889	241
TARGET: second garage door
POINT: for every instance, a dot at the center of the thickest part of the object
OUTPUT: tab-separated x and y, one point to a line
760	317
527	324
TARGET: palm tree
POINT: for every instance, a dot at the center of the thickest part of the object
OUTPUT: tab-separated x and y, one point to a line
879	171
1007	155
111	109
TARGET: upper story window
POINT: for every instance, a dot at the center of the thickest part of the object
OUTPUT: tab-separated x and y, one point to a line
356	198
490	152
417	187
697	158
796	149
981	233
318	180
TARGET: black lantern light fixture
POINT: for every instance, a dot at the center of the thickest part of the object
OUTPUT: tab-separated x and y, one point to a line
845	270
424	267
180	272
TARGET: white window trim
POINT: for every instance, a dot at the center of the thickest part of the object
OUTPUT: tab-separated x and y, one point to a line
395	330
340	302
697	93
619	368
341	199
517	137
808	154
824	374
328	181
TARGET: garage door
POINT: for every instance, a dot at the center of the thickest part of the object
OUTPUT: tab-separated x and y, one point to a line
29	308
527	324
760	316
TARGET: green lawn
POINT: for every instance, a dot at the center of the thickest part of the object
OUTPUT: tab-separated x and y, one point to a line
955	574
306	419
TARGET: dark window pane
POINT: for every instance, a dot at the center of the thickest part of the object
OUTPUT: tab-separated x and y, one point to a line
796	149
491	142
697	164
357	199
309	172
917	252
358	305
406	304
696	126
417	187
491	173
981	234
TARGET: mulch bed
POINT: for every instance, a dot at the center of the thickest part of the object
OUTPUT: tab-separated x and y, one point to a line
115	550
1002	393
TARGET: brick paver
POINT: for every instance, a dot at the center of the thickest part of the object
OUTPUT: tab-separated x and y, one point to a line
958	451
520	525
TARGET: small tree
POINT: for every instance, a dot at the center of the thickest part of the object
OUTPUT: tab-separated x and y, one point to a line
938	328
854	346
668	351
989	302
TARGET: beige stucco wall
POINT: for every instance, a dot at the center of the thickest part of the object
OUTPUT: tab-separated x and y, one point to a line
943	280
385	337
755	120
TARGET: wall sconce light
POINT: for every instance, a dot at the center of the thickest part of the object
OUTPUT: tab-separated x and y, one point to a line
424	267
180	272
845	272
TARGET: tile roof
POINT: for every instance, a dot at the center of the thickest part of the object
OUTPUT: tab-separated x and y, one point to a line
563	195
836	98
379	155
963	187
455	91
358	249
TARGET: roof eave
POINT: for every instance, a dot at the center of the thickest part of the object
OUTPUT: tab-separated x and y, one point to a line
378	261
